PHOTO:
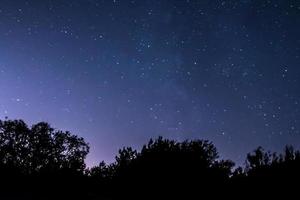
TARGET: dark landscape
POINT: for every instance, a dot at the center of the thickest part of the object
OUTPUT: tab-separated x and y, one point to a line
39	162
149	99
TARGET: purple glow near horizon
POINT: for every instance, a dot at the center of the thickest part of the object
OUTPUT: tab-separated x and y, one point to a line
120	72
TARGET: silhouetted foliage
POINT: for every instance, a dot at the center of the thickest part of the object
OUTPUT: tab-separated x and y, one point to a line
165	165
266	171
40	148
39	154
39	162
266	164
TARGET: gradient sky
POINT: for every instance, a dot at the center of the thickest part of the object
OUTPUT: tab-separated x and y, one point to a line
119	72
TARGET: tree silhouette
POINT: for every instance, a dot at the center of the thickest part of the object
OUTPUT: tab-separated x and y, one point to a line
39	162
40	148
167	165
33	158
261	163
266	171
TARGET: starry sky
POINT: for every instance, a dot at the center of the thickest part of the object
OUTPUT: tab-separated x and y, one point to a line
118	72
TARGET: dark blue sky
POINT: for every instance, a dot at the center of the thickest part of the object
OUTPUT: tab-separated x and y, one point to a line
119	72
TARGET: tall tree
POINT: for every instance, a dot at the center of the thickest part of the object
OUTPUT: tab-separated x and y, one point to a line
40	149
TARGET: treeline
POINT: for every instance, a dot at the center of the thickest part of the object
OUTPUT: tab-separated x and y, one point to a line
39	162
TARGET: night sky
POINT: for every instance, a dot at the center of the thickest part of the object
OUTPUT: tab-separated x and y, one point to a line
119	72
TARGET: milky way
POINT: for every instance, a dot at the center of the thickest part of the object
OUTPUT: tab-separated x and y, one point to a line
120	72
